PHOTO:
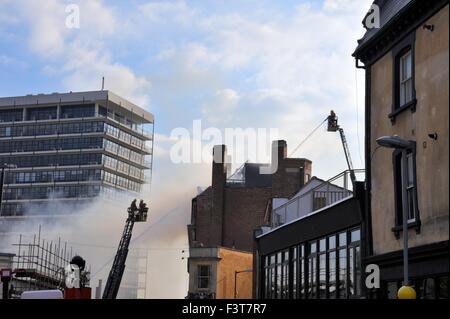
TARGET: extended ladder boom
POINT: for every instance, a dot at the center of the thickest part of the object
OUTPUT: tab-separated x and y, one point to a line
347	155
135	214
333	127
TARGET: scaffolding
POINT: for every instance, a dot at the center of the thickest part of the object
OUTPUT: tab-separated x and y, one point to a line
134	280
40	265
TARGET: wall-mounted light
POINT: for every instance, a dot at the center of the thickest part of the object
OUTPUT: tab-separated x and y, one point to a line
429	27
393	142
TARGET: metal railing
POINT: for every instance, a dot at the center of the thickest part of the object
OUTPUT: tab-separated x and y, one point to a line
325	193
138	128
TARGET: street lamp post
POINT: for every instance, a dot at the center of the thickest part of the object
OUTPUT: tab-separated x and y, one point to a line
236	272
406	291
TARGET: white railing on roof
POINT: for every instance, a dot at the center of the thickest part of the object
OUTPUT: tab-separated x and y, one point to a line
238	177
324	193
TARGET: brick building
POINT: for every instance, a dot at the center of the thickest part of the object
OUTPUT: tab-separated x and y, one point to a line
227	213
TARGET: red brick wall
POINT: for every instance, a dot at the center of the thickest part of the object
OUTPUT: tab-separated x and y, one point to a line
290	176
244	211
203	218
227	216
219	178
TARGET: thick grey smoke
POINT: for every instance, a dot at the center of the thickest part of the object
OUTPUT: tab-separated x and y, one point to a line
94	232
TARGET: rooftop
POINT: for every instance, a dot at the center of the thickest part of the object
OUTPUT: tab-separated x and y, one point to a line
249	175
390	10
315	196
102	97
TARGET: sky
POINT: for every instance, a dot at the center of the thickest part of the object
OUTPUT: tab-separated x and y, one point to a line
231	64
248	64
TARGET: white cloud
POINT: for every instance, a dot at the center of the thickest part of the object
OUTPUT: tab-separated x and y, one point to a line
222	107
46	24
48	33
85	67
297	69
81	57
178	11
339	6
9	61
97	17
291	72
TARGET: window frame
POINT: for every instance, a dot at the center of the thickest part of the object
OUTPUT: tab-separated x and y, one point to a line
398	52
332	250
307	279
405	80
322	254
293	272
311	271
397	171
354	264
285	274
342	287
199	276
302	271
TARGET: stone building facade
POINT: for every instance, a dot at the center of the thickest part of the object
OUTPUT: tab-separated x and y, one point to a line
407	81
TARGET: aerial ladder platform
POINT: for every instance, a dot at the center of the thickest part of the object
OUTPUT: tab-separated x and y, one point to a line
334	127
135	214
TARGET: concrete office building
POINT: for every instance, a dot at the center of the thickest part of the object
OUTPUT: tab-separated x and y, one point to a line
70	148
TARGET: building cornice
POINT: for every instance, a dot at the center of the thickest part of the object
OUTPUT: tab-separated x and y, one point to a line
77	97
406	21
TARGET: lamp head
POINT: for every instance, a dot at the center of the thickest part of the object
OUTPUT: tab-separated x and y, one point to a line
393	142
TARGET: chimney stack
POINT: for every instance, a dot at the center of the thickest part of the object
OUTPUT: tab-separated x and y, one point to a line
279	151
219	178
